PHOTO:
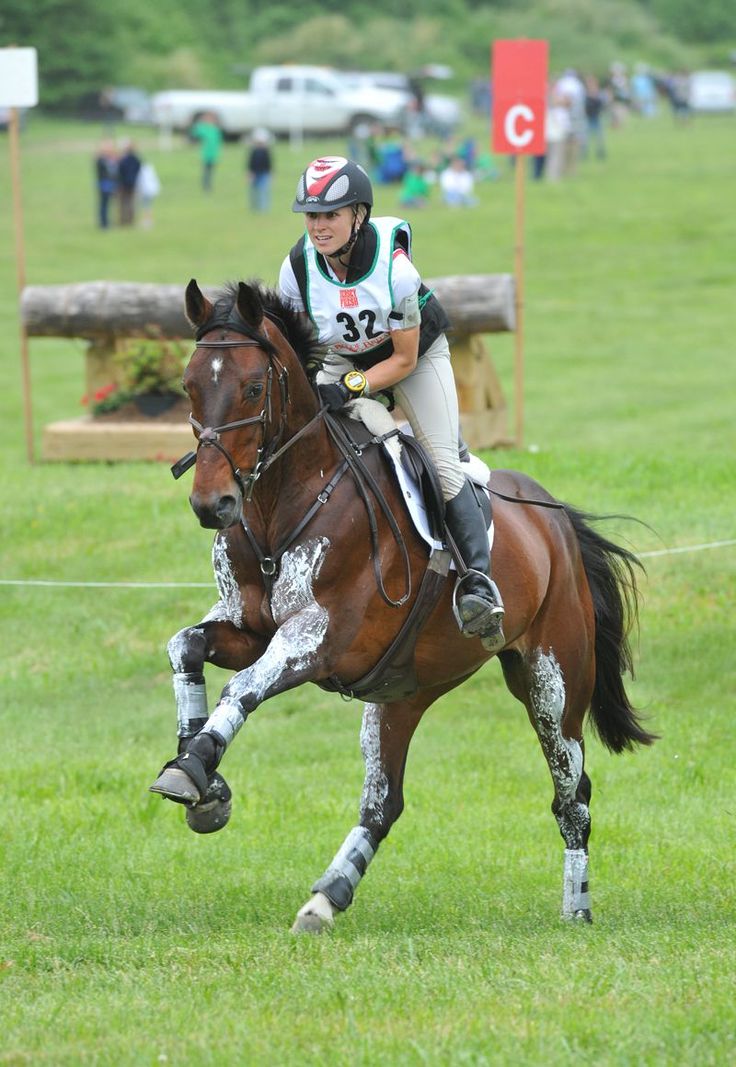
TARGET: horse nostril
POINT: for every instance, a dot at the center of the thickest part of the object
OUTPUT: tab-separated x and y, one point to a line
225	508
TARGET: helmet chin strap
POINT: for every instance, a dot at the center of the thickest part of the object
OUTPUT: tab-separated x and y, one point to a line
354	231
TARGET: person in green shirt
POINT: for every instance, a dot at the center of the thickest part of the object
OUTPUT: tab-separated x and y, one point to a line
207	131
415	189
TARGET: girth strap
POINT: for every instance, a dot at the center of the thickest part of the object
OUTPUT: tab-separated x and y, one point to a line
394	676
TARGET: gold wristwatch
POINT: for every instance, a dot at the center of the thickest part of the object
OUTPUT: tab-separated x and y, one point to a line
355	382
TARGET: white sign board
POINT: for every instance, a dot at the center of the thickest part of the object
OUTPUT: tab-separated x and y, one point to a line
18	77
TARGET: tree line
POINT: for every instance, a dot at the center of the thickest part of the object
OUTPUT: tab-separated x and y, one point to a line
85	46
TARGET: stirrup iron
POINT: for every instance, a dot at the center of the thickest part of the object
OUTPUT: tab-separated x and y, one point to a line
490	621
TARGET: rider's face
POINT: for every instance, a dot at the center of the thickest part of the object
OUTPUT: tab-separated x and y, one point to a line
329	230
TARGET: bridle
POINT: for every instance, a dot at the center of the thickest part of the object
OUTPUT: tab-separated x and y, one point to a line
268	450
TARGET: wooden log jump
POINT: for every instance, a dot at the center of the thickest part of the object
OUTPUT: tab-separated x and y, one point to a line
107	313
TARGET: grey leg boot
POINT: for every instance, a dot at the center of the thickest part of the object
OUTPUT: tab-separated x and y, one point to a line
477	602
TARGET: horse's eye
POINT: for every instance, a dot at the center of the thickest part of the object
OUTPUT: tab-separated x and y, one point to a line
253	390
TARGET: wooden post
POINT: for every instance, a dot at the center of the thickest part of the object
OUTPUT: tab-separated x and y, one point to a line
20	259
520	167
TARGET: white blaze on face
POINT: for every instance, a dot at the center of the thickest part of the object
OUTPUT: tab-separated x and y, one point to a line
216	368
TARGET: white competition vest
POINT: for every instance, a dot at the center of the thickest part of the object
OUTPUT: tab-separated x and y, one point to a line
353	319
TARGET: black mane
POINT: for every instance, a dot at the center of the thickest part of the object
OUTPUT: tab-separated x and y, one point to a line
296	327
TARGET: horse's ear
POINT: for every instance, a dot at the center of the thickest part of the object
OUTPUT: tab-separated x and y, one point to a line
249	304
198	307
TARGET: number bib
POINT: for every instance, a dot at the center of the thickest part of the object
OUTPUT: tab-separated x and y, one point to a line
354	319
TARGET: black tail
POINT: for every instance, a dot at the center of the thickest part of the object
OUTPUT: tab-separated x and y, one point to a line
612	579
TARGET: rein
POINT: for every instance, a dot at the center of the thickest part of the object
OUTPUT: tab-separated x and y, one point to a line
526	500
269	451
362	476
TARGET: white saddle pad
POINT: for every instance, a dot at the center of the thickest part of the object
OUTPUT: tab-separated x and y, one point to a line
380	422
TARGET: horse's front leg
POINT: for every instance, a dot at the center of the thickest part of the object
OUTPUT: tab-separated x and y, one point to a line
215	640
295	654
385	734
292	657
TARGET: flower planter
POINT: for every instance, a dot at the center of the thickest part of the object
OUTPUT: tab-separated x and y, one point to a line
153	404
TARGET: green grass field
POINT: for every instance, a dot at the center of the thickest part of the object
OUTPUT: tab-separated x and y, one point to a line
127	940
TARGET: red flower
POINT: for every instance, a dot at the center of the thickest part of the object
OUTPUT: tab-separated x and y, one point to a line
105	391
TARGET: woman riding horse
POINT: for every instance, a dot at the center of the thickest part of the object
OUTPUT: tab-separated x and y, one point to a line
354	277
271	476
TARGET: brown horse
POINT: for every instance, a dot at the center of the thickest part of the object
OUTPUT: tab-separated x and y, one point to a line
318	567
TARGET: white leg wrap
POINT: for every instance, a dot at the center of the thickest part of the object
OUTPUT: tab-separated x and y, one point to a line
348	860
191	702
575	893
341	878
225	720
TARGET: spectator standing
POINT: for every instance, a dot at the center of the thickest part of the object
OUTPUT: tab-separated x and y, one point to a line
106	176
620	94
457	184
207	131
643	91
595	104
571	88
260	167
556	131
129	166
417	108
677	89
147	189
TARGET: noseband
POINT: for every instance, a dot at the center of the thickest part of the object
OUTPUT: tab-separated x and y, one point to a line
209	436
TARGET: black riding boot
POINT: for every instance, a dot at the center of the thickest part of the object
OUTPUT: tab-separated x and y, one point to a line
477	601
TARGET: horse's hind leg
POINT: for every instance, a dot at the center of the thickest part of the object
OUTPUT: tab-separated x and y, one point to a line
385	734
556	711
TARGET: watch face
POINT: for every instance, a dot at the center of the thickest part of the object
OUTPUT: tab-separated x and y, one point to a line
355	381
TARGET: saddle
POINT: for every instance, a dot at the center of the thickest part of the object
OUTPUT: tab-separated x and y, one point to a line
415	460
394	676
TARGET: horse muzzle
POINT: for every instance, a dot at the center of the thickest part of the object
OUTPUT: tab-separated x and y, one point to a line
216	511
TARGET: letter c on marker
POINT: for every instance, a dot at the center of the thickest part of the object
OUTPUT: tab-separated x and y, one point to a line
516	137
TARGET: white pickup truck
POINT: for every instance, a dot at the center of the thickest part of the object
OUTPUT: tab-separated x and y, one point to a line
287	101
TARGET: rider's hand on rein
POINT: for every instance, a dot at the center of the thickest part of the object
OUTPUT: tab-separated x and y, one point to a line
336	395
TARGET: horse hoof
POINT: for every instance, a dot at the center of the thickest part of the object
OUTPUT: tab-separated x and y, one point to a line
210	817
582	915
315	917
311	924
175	785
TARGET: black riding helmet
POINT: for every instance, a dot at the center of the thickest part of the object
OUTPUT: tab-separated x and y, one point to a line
332	182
